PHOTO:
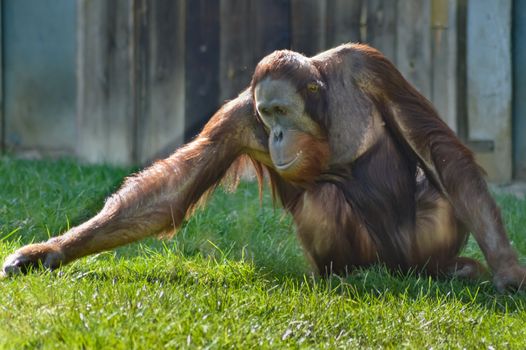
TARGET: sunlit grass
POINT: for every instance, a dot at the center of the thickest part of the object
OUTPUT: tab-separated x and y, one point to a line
233	277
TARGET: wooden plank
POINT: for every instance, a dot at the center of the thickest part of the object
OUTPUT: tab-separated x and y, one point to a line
2	114
160	77
381	26
105	97
39	80
308	22
344	21
140	71
462	77
236	48
271	26
247	37
489	83
413	52
202	64
519	89
444	58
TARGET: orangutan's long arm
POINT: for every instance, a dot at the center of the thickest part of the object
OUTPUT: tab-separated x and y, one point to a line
157	199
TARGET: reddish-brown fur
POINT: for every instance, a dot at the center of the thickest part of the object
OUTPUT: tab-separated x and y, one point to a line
381	179
313	163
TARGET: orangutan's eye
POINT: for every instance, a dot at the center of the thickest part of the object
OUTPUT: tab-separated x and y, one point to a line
313	87
280	110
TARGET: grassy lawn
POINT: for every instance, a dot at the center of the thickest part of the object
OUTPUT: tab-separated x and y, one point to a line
234	277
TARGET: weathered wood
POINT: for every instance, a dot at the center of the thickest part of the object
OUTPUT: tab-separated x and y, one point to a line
148	70
271	23
250	29
519	89
159	64
344	21
236	48
462	75
308	24
413	52
140	70
105	97
38	42
444	60
202	64
381	26
2	116
489	83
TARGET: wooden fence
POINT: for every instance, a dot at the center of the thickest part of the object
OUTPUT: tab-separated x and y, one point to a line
151	72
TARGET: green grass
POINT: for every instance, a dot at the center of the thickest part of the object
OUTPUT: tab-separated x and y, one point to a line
234	277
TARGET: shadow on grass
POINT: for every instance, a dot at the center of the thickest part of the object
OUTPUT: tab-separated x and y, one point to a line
373	283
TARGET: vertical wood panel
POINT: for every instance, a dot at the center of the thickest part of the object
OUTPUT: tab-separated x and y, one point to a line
462	106
519	88
250	29
160	124
308	26
202	64
381	26
105	97
343	21
2	110
236	48
39	51
413	52
140	72
489	83
444	58
271	20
